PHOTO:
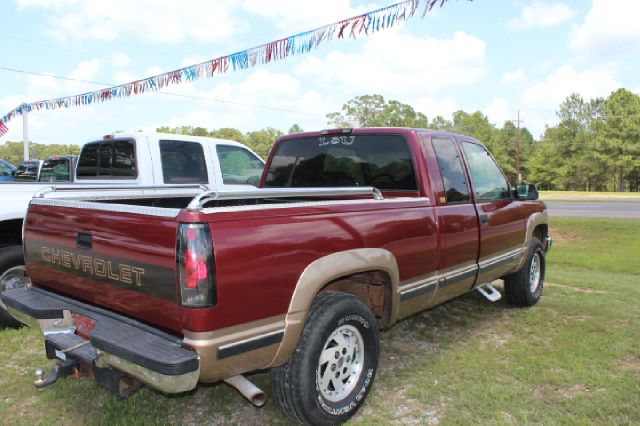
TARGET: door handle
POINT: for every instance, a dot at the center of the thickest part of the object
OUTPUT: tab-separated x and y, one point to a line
484	219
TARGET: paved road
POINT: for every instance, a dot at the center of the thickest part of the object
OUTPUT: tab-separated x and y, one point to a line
624	210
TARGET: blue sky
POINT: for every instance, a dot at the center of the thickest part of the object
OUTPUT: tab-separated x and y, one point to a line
497	57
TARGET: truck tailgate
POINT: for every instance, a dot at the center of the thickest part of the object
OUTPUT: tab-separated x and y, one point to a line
106	258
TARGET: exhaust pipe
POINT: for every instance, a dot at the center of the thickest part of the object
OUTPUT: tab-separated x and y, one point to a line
247	389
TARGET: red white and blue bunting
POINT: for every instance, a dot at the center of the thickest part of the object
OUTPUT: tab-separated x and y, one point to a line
299	44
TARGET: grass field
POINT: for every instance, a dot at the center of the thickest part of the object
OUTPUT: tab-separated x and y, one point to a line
573	358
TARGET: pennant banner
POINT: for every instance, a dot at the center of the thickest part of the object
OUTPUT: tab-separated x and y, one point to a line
299	44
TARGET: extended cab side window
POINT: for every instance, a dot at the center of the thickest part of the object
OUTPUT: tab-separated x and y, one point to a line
183	162
455	182
238	165
488	181
108	159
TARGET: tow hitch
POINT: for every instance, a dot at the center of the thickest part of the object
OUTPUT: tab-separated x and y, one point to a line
61	369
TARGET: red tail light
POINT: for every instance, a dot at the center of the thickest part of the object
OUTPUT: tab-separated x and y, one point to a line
196	266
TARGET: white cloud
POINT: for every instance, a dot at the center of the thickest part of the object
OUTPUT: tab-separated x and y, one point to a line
499	111
120	60
153	71
86	70
292	13
263	96
517	76
540	101
162	21
542	15
122	77
610	29
381	66
434	106
565	81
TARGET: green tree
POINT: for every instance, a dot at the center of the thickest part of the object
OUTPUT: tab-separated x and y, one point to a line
440	123
228	133
619	137
13	151
295	129
374	111
261	141
568	156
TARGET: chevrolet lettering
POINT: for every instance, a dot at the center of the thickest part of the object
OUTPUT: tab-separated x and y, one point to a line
102	268
349	232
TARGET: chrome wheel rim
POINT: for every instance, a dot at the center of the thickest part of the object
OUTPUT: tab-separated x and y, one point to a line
534	273
16	271
340	363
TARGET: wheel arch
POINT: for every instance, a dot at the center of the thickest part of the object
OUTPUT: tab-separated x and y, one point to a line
371	274
11	232
537	226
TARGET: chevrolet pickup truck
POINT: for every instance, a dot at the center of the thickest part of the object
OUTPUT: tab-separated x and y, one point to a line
130	160
350	231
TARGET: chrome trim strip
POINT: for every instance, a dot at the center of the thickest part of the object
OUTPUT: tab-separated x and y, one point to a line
444	279
118	208
498	260
250	339
200	200
427	287
454	278
212	210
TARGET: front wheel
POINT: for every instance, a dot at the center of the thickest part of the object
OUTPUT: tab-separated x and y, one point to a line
11	266
329	375
524	287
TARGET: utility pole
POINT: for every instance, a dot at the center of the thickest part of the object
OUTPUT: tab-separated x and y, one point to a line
25	133
518	174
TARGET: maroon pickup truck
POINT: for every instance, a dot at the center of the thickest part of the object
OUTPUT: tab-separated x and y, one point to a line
351	230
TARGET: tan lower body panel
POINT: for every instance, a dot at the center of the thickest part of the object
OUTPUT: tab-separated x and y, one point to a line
238	349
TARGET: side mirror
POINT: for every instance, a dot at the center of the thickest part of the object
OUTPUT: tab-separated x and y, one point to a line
527	192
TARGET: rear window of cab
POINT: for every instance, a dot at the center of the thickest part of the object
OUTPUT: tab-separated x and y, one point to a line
114	159
383	161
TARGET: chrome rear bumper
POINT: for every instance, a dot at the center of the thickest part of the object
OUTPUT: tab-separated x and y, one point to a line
142	352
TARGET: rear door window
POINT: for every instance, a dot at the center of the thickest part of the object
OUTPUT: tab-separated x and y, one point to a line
88	161
383	161
183	162
453	176
238	165
55	170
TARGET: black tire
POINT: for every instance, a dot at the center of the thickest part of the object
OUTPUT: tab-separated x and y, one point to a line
524	287
11	264
303	386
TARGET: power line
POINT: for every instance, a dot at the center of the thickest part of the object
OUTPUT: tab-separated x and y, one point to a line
160	92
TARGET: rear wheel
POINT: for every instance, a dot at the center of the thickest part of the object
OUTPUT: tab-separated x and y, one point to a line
11	266
524	287
329	375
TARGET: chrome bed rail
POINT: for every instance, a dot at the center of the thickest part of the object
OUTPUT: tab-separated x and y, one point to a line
200	200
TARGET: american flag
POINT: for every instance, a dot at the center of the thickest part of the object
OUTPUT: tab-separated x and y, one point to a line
3	128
